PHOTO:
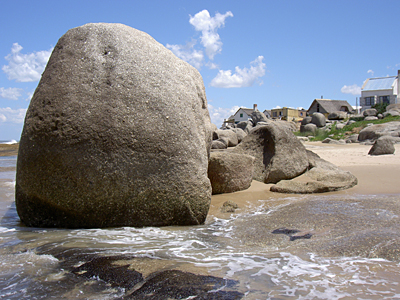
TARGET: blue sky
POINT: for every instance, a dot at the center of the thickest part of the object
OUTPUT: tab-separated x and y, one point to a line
273	53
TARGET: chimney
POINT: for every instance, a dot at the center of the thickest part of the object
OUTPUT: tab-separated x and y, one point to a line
255	105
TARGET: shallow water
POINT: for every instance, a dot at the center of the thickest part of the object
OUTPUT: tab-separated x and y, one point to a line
31	267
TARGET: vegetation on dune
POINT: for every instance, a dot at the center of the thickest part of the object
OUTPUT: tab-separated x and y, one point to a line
347	130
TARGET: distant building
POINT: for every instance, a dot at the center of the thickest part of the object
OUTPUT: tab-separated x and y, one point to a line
286	113
242	114
380	90
327	106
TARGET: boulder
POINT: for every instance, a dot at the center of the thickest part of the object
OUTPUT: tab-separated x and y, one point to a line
306	120
370	112
229	134
332	141
278	153
340	126
370	118
245	125
337	115
258	116
383	145
352	138
310	127
218	144
322	177
318	119
374	132
240	133
90	154
230	172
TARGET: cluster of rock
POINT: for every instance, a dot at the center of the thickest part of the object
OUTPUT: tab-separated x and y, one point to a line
279	158
90	155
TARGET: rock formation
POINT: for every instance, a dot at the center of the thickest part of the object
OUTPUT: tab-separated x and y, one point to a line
278	153
117	134
230	172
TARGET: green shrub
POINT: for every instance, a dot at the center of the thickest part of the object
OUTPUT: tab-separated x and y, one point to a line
380	107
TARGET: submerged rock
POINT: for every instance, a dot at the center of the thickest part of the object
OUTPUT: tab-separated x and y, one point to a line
117	134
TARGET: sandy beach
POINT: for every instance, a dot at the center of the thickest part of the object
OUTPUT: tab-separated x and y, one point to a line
375	174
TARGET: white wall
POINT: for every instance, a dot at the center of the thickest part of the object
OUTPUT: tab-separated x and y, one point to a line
238	118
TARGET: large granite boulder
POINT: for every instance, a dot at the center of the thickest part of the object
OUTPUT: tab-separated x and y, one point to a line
322	177
278	153
117	134
318	119
230	172
306	120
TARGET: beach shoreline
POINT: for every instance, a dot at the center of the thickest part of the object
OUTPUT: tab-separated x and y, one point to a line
376	175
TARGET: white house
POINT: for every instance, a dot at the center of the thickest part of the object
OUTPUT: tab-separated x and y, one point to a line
242	114
380	90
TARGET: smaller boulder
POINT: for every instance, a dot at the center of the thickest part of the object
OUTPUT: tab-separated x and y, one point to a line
240	133
337	115
318	119
217	144
370	112
310	127
229	207
383	145
230	172
229	134
371	118
306	120
258	116
352	138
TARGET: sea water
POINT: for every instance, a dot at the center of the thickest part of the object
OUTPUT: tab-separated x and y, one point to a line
29	268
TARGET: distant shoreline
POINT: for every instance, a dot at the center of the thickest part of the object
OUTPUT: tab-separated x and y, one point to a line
9	149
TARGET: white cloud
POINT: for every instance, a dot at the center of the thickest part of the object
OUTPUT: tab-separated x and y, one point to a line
202	21
10	115
10	93
370	72
25	67
218	114
351	89
188	54
242	77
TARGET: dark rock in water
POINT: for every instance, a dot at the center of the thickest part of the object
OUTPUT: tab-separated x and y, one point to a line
297	237
285	231
230	172
117	134
278	152
174	284
102	268
383	145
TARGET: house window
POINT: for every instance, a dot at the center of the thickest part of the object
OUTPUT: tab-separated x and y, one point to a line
369	101
280	113
384	99
275	114
241	115
317	107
